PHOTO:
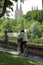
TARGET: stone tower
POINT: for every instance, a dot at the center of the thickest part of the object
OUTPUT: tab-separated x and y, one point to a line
18	11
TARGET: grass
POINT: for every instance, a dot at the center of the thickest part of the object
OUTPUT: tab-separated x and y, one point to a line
9	59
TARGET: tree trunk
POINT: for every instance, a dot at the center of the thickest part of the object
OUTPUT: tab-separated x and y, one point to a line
4	8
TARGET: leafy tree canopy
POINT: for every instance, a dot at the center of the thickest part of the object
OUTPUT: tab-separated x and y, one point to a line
34	15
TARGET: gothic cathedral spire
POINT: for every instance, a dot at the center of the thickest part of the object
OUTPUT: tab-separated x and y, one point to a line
18	12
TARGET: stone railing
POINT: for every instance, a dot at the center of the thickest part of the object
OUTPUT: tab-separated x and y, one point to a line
35	49
31	48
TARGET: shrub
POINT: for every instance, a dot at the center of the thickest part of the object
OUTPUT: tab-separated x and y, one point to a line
34	31
36	40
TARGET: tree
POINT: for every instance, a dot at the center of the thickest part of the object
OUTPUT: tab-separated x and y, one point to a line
6	3
34	31
4	7
34	15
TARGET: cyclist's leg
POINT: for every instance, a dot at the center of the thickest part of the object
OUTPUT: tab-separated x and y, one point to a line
25	50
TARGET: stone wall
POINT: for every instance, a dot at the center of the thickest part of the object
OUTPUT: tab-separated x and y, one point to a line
35	49
31	48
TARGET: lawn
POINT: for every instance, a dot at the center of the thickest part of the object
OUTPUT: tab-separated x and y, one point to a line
9	59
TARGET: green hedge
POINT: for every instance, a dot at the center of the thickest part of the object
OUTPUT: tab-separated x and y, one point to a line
36	40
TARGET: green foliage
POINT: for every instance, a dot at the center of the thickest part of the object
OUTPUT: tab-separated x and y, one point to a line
34	28
18	24
34	31
23	23
36	40
13	24
35	15
41	27
0	3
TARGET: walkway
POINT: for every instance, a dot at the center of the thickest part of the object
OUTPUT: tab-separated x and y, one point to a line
30	56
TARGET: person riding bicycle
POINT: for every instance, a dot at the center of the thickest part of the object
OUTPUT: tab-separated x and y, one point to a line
22	39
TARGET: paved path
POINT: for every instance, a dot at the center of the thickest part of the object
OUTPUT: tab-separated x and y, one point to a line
9	51
30	56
